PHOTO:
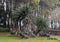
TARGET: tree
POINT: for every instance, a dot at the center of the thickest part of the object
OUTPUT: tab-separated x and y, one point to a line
41	24
20	14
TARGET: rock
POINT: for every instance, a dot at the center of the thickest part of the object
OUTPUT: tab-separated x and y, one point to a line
24	35
44	34
12	32
32	34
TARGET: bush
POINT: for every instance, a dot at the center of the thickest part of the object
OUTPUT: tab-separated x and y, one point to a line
41	24
4	29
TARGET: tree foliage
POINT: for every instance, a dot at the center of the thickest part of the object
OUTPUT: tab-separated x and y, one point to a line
35	2
51	3
20	13
41	24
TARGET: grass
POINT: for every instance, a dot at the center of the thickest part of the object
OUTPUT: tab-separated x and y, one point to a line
6	37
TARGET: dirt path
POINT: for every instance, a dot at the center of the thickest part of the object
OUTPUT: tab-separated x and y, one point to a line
4	32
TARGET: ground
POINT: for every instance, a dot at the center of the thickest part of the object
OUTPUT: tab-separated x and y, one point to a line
6	37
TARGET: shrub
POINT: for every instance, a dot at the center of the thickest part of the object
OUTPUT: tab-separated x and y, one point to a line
4	29
41	24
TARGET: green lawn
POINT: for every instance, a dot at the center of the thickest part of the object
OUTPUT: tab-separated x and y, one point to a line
11	38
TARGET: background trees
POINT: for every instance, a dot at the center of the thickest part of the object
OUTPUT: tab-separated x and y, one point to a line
18	13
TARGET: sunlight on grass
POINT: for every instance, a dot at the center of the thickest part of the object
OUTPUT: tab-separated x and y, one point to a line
12	38
23	40
58	37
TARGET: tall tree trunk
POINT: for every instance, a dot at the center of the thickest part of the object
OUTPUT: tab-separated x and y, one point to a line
19	28
16	27
20	24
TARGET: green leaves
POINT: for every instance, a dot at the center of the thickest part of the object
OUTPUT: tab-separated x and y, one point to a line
35	2
51	3
21	13
41	24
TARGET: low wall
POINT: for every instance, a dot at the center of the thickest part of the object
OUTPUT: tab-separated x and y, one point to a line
54	32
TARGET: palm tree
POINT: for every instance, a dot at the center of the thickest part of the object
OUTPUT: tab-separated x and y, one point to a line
20	14
41	25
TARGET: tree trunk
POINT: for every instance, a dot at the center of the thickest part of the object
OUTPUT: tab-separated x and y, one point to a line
20	24
19	28
16	27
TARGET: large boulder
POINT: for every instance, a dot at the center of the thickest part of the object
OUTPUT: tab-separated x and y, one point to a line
44	34
24	35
